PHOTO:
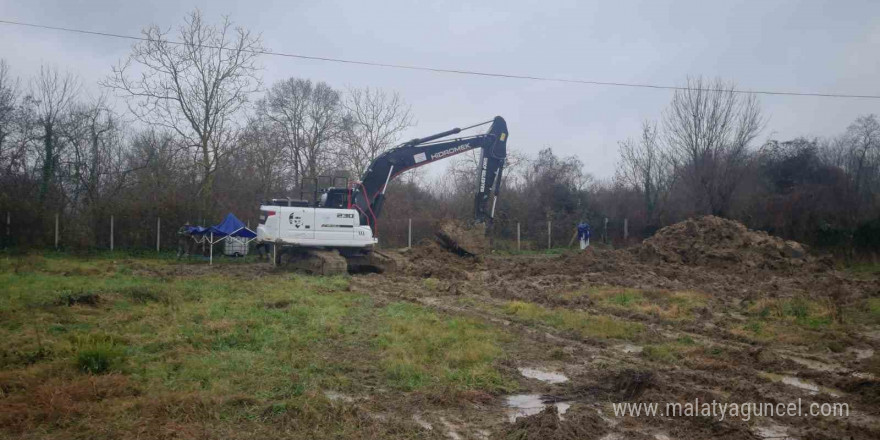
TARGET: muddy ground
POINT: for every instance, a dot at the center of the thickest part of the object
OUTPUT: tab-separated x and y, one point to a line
706	309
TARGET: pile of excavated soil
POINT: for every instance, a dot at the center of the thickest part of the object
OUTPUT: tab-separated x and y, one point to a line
464	239
428	259
714	241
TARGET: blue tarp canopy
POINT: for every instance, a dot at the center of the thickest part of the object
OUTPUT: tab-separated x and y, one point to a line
230	226
233	227
197	230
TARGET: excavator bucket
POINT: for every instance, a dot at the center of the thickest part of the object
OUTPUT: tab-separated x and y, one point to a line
463	239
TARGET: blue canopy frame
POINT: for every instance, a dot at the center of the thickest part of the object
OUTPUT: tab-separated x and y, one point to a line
231	226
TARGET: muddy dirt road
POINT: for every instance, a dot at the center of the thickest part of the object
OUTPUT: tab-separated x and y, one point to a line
704	311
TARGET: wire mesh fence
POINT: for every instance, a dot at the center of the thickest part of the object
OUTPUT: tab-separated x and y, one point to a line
127	232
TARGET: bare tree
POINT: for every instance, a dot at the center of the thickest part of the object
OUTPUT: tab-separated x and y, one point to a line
265	154
862	139
95	157
709	128
193	87
50	100
374	122
8	104
646	167
308	116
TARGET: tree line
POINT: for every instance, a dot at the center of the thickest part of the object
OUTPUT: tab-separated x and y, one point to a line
184	129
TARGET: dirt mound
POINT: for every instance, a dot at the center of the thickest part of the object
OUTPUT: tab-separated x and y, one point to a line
464	239
714	241
428	259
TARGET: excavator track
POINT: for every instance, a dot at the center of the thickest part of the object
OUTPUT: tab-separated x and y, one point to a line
313	261
375	262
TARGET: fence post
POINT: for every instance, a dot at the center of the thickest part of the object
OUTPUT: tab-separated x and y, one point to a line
548	234
605	232
158	232
111	233
8	228
56	232
625	229
517	237
409	235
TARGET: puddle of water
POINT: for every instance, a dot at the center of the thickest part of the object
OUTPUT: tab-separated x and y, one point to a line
337	396
629	348
874	334
863	375
543	376
772	432
811	364
862	354
795	382
450	429
523	405
800	383
422	422
605	418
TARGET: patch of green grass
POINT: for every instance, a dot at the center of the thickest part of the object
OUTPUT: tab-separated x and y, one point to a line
673	351
583	323
98	354
421	349
669	305
626	298
661	353
280	337
798	310
866	269
873	307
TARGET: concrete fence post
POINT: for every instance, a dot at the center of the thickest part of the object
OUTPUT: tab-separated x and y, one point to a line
57	236
518	248
605	232
158	232
548	234
111	233
409	235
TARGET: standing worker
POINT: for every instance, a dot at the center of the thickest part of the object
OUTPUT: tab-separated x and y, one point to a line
184	237
584	235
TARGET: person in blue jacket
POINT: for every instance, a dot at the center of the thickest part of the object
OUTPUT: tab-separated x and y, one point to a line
584	235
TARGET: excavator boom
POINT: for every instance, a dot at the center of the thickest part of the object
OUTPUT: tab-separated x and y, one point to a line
368	196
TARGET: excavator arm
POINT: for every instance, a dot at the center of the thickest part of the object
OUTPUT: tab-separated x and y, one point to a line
369	194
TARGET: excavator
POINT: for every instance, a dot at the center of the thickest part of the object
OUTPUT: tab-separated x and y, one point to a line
337	232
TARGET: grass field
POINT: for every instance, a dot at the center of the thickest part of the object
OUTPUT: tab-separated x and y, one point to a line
108	348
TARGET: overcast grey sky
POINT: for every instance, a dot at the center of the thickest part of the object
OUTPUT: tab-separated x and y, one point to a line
808	46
